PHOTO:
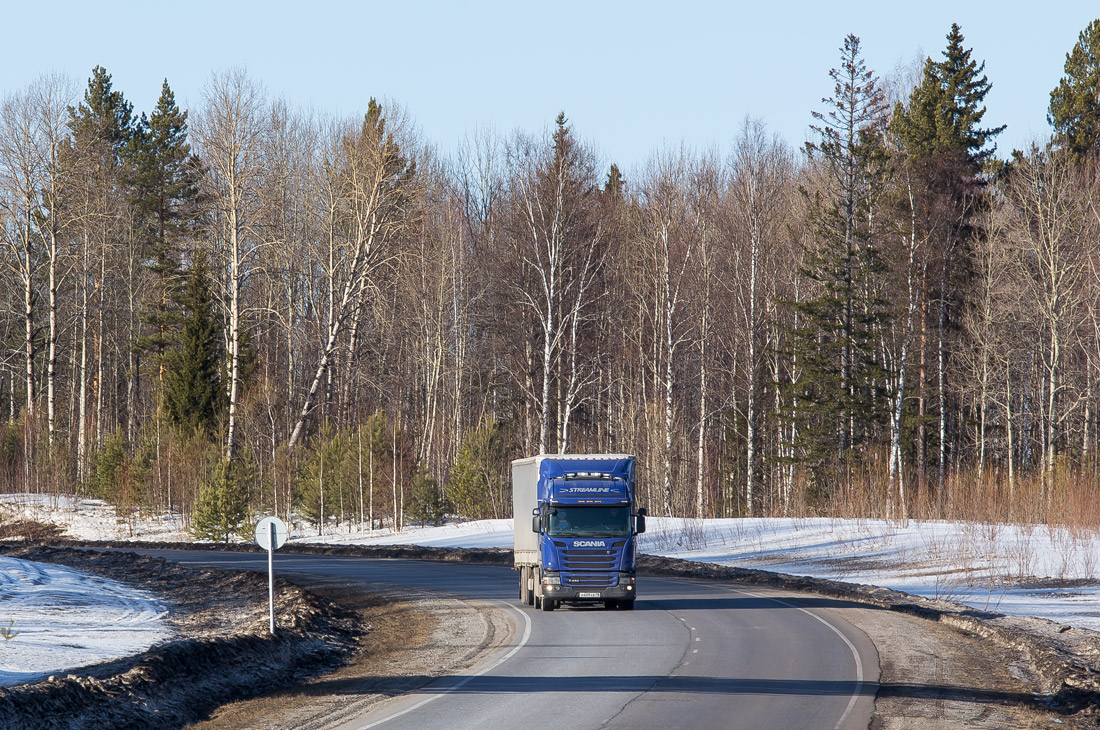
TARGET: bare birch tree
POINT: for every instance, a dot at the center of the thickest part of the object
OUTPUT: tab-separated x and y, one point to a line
378	177
229	132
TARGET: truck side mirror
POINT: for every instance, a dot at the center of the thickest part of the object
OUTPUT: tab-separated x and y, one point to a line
639	523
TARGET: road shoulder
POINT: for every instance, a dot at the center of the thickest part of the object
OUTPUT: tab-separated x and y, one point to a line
414	638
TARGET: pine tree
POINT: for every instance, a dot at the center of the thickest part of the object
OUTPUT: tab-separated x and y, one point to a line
193	391
426	503
165	177
477	484
1075	105
104	119
324	485
102	129
222	507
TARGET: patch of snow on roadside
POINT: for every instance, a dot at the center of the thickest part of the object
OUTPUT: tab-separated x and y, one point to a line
473	534
67	618
93	519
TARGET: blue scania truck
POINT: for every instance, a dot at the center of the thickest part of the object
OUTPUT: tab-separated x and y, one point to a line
576	528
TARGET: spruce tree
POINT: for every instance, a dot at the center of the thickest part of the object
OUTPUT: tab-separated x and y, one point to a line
193	391
837	400
942	141
1075	104
945	110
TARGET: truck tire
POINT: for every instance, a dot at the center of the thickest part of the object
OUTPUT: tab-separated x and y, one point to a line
611	604
627	605
523	585
549	604
528	588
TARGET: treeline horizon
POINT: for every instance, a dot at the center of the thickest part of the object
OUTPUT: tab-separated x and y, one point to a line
246	308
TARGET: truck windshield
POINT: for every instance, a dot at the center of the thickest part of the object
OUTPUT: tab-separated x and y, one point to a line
590	522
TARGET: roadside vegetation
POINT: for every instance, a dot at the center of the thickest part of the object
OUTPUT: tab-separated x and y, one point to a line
248	308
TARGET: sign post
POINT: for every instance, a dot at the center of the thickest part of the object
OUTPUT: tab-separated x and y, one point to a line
271	534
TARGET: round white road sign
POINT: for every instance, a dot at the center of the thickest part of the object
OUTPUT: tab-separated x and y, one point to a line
264	533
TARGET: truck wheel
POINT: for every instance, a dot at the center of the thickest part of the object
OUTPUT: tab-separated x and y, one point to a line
627	605
610	604
529	588
548	604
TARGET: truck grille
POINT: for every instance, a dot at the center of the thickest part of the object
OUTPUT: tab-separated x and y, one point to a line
591	580
579	559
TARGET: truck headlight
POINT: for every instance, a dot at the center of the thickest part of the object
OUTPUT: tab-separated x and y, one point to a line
626	579
551	580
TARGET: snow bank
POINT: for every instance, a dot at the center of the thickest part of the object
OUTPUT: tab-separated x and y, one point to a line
66	618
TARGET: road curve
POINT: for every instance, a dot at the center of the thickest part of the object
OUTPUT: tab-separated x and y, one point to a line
694	654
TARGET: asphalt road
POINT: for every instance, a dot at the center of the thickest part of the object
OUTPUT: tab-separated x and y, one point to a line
692	654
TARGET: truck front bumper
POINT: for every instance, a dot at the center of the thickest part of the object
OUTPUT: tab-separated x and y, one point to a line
577	594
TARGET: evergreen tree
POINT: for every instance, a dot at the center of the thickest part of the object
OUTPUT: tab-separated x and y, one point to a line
478	479
165	177
110	467
104	120
942	142
1075	104
837	400
222	507
324	485
426	503
615	184
193	391
945	111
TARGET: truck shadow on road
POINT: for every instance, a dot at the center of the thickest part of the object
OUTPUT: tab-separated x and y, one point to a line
745	603
679	684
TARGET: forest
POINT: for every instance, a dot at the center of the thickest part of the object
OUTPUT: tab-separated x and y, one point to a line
248	308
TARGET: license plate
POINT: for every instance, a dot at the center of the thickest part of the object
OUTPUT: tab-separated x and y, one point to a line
588	595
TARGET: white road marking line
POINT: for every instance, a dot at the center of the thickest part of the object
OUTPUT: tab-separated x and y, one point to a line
845	639
432	698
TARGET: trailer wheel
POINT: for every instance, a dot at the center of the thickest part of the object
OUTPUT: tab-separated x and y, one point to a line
528	588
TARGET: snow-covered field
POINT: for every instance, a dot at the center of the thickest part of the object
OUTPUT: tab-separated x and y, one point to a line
1014	569
58	618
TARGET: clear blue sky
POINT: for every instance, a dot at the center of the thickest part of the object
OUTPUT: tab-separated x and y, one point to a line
633	77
